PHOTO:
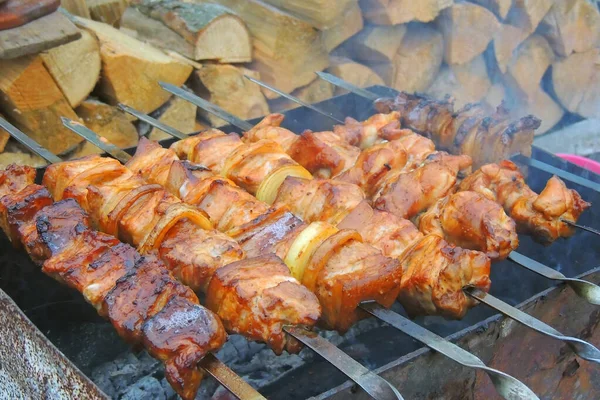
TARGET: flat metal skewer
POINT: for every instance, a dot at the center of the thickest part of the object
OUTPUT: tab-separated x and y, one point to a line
507	386
582	348
294	99
583	227
152	121
210	363
584	289
347	85
373	384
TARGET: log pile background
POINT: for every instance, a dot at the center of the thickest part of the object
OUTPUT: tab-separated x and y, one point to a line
541	57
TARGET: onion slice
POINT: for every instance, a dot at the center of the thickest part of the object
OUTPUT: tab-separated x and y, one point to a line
322	255
110	222
304	246
175	213
269	187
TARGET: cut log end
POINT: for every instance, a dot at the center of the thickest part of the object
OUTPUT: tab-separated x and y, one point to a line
226	40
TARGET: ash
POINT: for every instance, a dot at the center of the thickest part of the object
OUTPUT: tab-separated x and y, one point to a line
137	376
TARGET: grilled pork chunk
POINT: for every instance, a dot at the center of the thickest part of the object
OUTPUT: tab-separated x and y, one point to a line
539	214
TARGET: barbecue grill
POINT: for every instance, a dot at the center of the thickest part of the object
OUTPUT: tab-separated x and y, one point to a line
542	363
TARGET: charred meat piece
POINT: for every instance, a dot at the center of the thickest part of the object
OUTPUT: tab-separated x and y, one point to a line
435	273
472	221
538	214
258	296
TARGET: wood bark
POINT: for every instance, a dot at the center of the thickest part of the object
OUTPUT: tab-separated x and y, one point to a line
418	59
572	26
214	32
467	29
123	58
33	102
225	86
576	82
394	12
75	67
466	83
44	33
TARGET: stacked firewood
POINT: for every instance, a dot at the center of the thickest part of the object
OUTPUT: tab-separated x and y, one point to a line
540	57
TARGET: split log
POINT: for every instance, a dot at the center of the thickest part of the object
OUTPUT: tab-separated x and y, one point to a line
576	82
225	86
467	83
76	7
349	24
353	72
542	106
14	153
418	59
287	51
316	91
506	41
178	113
33	102
529	13
496	95
123	58
572	26
108	122
376	44
321	14
467	29
498	7
44	33
213	31
107	11
528	66
393	12
4	136
75	67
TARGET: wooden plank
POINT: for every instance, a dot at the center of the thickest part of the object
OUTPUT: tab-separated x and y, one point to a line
42	34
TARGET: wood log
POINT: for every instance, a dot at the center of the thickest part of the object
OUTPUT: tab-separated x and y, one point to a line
572	25
42	34
506	41
154	32
214	32
14	153
75	67
123	58
376	44
353	72
542	106
418	59
321	14
107	11
467	83
287	51
316	91
349	24
576	82
498	7
108	122
394	12
529	13
4	136
178	113
33	102
225	86
76	7
467	29
528	66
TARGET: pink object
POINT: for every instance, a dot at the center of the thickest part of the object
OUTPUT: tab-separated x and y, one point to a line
583	162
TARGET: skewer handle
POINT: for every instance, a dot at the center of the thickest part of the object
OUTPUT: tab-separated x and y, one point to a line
373	384
507	386
582	348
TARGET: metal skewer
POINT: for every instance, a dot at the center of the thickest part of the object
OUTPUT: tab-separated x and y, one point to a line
294	99
506	385
584	289
347	85
373	384
146	118
210	363
583	227
582	348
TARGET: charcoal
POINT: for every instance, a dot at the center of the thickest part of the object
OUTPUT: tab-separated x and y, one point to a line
147	388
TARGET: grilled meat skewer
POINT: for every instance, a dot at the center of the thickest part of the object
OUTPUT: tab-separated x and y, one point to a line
474	265
155	221
139	296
